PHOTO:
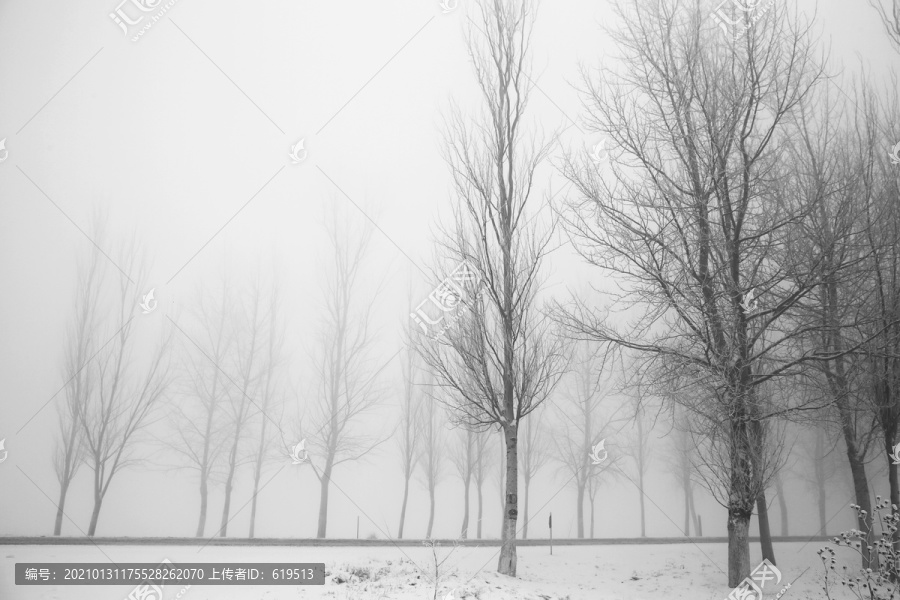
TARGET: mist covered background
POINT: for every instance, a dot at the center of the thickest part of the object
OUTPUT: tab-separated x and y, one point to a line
188	131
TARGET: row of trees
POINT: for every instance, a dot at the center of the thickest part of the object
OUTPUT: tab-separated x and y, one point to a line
751	215
748	215
217	401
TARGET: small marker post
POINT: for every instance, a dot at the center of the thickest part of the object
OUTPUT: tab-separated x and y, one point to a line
551	534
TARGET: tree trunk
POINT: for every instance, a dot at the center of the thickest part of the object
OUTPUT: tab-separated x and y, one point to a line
61	505
464	532
738	546
698	531
525	525
641	490
765	533
430	511
403	508
95	515
229	484
823	522
861	489
256	477
480	507
579	510
324	484
592	518
687	511
782	503
507	563
819	470
204	500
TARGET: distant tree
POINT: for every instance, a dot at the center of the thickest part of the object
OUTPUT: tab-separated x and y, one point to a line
268	394
432	421
124	394
197	420
81	343
535	453
681	450
462	455
583	422
482	465
248	366
408	430
638	448
348	389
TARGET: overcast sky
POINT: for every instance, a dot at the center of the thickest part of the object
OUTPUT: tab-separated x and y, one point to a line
188	130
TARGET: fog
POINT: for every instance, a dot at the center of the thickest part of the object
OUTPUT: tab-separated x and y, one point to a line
182	142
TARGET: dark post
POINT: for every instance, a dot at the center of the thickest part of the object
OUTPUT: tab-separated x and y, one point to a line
699	526
551	534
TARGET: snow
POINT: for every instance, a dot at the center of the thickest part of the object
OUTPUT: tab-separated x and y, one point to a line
608	572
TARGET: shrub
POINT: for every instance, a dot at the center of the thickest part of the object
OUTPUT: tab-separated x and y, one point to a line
868	584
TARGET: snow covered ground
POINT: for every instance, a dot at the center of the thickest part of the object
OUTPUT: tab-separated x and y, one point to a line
622	572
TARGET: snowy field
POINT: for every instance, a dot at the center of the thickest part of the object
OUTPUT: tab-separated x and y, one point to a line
627	572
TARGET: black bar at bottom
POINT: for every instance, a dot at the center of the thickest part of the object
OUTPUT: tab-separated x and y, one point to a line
169	574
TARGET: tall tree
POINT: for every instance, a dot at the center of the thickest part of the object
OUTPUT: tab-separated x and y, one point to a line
348	388
409	434
125	393
681	450
81	343
882	371
691	219
248	367
431	451
462	454
833	155
481	466
197	421
535	454
583	424
500	360
638	449
268	393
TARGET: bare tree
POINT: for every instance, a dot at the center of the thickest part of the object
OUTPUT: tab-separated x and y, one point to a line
482	464
431	451
125	393
889	13
347	386
249	366
81	342
693	223
880	130
197	420
410	405
834	153
817	452
535	453
583	424
681	449
462	455
500	360
638	448
269	393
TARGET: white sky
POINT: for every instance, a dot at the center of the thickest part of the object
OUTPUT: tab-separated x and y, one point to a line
175	133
